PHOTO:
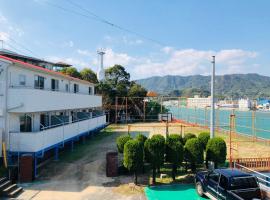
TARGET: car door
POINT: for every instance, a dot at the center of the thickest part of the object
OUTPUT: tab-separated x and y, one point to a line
213	180
222	187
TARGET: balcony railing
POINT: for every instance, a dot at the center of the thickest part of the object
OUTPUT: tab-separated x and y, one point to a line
41	140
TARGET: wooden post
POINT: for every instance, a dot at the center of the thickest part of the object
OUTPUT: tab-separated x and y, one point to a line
116	103
126	109
129	129
253	126
181	130
144	110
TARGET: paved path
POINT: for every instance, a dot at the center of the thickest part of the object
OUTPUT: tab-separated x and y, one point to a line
82	180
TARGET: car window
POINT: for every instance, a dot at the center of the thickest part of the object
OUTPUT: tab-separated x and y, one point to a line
243	183
223	182
214	176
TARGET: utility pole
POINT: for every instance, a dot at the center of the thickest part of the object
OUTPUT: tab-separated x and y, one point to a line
2	44
212	117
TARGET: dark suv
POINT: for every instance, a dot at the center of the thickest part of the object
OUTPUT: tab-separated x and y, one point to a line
229	184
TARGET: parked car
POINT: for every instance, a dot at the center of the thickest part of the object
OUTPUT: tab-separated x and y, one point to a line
229	184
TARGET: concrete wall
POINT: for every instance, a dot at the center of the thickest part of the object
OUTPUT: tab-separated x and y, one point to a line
15	71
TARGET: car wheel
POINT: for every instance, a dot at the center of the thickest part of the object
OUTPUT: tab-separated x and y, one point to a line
199	189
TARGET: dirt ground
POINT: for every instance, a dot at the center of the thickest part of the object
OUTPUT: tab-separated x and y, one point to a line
85	178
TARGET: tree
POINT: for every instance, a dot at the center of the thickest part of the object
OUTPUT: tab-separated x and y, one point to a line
71	71
216	151
174	153
117	75
188	136
137	90
203	139
88	75
177	137
154	153
133	157
121	141
193	153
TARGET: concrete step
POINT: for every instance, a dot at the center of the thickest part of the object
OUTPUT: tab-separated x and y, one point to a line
4	185
3	179
10	188
15	192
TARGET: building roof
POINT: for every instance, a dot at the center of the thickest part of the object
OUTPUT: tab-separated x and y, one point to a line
41	69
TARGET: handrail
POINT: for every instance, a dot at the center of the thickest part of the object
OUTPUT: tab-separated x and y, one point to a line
61	124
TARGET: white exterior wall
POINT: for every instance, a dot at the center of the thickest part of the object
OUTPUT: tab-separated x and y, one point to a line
16	100
198	102
15	71
244	104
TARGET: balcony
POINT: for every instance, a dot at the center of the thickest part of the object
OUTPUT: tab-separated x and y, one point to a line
38	141
23	100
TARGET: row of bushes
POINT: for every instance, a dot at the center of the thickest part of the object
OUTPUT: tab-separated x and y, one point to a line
175	149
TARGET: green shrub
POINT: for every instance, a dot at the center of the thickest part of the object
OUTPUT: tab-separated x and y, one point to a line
216	151
141	138
188	136
121	141
133	157
193	153
154	149
174	153
177	137
203	138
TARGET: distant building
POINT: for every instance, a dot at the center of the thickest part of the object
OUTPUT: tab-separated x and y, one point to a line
244	104
199	102
227	104
263	104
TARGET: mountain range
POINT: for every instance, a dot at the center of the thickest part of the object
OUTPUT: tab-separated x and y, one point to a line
226	86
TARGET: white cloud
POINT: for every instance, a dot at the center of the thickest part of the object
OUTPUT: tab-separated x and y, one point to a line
192	61
69	43
84	52
124	40
111	58
4	36
9	27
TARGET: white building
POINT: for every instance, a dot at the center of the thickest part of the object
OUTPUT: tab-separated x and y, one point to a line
199	102
42	110
244	104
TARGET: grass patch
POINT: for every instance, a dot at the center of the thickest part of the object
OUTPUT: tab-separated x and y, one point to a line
81	149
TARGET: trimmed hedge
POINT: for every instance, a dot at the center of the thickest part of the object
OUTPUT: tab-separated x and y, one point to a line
193	152
188	136
121	141
203	138
141	138
216	151
174	152
133	156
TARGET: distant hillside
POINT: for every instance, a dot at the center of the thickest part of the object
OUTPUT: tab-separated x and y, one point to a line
233	85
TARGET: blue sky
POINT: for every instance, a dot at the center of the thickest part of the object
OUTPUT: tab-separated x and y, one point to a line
190	32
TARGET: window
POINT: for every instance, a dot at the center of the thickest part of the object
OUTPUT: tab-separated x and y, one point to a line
76	88
22	79
25	123
39	82
243	183
90	91
67	87
214	176
55	85
223	182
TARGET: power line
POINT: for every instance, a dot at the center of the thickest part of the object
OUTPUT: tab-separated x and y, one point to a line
96	17
23	47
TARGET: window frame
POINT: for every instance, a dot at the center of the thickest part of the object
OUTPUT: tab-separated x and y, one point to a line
38	79
56	84
22	76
